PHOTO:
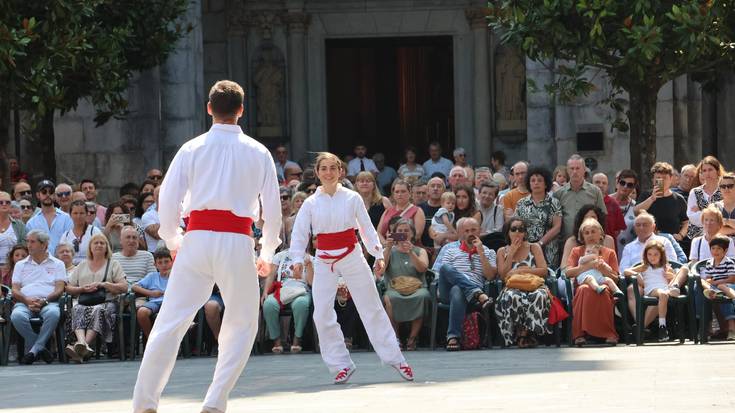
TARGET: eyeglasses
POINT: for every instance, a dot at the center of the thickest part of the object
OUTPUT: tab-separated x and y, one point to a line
24	193
63	194
285	198
626	184
90	212
26	207
5	202
155	177
727	186
517	229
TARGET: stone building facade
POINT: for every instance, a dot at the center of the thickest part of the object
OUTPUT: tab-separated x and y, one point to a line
453	83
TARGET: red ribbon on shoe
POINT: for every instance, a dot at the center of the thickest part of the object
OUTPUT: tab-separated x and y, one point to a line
334	241
219	221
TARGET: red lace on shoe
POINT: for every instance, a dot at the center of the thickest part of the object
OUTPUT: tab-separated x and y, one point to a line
342	374
406	370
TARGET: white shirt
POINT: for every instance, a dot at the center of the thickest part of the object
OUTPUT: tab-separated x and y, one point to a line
38	280
324	214
492	219
223	169
695	218
699	250
8	239
633	251
150	217
353	167
80	251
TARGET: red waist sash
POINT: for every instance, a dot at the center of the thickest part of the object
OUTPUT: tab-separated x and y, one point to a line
334	241
219	221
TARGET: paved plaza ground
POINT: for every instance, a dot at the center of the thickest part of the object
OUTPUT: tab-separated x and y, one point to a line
667	378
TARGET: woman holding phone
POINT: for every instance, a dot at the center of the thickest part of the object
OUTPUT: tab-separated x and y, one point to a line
332	214
117	216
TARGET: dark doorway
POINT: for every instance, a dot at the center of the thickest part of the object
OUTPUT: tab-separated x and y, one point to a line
390	93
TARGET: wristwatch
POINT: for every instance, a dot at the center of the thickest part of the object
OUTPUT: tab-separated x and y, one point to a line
541	243
45	302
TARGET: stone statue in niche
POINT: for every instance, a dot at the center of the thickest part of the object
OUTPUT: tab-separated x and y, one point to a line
269	81
510	90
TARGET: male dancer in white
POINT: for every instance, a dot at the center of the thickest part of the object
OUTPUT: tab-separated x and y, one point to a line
332	213
214	182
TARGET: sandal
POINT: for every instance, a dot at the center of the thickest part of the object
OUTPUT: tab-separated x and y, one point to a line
532	342
612	342
580	341
453	344
277	349
411	343
523	342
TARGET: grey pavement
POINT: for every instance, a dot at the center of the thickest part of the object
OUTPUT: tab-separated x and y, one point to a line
667	378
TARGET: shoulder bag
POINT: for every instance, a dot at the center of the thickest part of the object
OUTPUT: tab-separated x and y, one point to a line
97	297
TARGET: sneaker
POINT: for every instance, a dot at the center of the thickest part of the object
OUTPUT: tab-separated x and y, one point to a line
46	356
404	370
663	333
674	290
344	375
28	358
72	354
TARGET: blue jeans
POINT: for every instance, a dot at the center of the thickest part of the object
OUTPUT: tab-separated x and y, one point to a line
456	289
21	316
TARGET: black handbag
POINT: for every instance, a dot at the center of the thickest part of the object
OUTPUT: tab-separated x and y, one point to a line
97	297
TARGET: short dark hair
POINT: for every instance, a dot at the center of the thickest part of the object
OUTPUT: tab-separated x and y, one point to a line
628	173
438	175
225	98
498	156
721	241
129	189
543	172
78	203
87	181
579	218
161	252
111	208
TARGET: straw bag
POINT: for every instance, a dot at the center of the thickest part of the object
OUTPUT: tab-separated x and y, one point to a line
405	284
524	282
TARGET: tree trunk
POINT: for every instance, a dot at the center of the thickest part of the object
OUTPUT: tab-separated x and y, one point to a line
642	119
42	154
4	139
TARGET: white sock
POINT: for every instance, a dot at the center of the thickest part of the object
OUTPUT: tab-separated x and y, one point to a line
662	322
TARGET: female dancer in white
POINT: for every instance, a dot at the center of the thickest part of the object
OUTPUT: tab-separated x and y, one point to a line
332	213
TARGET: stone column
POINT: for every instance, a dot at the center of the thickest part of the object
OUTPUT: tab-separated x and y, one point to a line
297	24
477	18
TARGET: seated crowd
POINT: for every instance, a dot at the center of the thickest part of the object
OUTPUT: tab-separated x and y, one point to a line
468	227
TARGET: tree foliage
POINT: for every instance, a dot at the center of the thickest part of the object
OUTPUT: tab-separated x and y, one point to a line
641	44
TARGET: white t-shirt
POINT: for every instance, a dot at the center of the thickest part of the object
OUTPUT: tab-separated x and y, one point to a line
8	239
150	218
80	246
283	263
38	280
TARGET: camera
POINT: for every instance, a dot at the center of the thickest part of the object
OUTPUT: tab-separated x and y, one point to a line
399	236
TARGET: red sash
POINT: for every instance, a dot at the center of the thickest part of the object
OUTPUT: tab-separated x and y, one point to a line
219	221
334	241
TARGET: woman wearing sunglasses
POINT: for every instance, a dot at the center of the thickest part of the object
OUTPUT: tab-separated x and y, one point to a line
727	204
522	316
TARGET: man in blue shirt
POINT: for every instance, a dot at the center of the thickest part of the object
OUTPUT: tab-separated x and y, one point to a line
153	286
50	220
436	163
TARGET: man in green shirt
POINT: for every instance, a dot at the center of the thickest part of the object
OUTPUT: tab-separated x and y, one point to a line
577	193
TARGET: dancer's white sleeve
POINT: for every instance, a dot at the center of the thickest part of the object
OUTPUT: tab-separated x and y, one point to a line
270	198
300	233
173	190
367	231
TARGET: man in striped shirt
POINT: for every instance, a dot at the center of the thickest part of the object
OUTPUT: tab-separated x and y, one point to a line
135	263
718	277
463	268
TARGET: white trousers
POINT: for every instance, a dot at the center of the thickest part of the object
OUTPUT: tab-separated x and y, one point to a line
205	258
358	276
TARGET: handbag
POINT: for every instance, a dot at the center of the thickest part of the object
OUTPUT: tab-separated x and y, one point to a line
97	297
405	284
557	313
290	292
470	332
524	282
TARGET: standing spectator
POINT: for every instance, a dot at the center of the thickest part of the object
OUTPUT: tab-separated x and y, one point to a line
410	171
87	322
463	268
296	201
419	193
727	204
146	187
155	175
430	206
615	222
375	203
153	287
38	282
708	173
458	176
541	214
80	234
593	312
282	162
502	182
12	232
669	208
145	200
117	216
285	195
436	162
26	210
386	174
492	214
404	259
129	189
510	200
16	175
403	207
51	220
497	160
292	173
89	187
460	157
687	178
361	162
626	182
561	177
134	262
65	254
576	193
150	223
63	197
22	190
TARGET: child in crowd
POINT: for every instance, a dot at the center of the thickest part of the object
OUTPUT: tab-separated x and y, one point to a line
593	277
153	286
443	220
718	275
655	279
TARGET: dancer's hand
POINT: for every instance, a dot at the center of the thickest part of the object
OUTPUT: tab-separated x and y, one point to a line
379	267
298	270
264	268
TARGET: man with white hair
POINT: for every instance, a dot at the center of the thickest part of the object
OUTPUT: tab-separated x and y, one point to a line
645	227
510	200
457	176
575	194
460	157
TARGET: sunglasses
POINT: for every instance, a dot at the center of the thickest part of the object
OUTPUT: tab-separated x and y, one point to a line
23	193
625	184
285	198
90	212
26	207
517	229
47	191
63	194
727	186
5	202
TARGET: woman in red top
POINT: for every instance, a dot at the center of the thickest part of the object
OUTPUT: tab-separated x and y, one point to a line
401	192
